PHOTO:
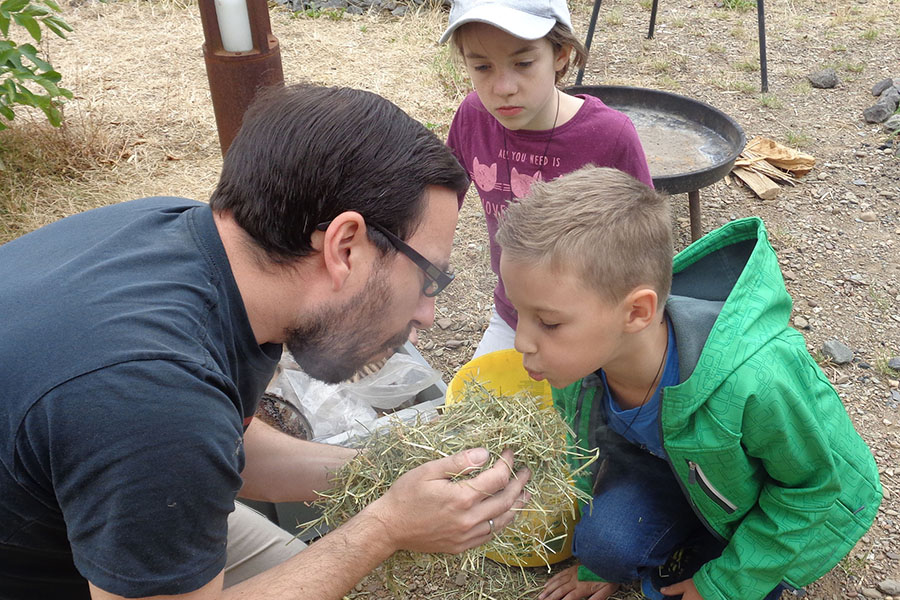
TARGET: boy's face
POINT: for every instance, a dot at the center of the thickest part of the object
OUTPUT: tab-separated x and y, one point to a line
514	78
566	330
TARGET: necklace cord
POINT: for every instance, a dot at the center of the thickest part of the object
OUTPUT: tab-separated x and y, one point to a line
653	384
512	196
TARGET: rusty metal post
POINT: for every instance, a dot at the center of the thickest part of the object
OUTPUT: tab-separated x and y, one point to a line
235	77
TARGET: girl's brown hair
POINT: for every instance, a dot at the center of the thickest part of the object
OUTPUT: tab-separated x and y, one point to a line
560	37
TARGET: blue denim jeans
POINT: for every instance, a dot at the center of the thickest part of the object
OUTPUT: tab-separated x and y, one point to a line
639	518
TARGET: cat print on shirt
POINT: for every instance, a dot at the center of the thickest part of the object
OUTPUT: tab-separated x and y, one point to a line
485	177
521	183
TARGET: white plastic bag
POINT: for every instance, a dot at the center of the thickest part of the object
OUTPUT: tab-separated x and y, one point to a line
329	408
395	384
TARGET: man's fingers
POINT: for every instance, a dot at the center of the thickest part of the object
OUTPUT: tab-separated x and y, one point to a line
457	464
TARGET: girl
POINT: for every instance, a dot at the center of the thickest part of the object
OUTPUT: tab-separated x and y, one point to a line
517	127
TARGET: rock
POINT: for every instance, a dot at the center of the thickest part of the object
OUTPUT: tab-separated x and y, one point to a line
824	79
877	113
864	365
881	86
444	323
892	124
868	217
894	363
801	323
891	587
890	98
892	555
453	344
789	275
871	593
838	353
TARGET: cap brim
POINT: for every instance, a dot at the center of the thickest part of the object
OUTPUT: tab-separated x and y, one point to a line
514	22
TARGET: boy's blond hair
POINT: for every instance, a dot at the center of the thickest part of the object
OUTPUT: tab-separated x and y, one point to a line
600	224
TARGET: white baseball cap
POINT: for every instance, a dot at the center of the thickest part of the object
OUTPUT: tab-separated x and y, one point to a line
525	19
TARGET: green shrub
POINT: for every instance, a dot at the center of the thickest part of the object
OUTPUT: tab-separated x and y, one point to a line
26	78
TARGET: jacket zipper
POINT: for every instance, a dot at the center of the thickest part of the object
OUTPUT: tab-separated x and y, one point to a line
699	477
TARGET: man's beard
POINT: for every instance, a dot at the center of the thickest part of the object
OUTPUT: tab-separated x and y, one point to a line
336	342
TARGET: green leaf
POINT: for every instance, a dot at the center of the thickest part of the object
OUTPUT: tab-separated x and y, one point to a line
36	11
59	22
53	5
7	112
4	24
54	28
28	22
53	115
65	93
13	5
10	86
47	85
31	53
51	76
14	58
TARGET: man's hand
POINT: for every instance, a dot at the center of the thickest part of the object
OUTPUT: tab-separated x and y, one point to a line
424	511
686	589
565	586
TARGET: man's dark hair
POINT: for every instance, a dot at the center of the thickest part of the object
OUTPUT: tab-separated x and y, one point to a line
305	154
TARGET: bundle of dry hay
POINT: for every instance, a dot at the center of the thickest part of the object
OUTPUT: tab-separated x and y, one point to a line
536	435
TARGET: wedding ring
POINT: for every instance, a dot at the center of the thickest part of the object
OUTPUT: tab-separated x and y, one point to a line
491	525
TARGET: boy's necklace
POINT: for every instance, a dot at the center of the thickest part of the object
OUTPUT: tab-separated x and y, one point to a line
512	196
653	383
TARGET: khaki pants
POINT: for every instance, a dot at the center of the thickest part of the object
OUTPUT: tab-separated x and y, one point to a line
255	544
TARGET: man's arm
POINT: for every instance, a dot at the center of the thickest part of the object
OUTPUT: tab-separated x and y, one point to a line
280	468
424	511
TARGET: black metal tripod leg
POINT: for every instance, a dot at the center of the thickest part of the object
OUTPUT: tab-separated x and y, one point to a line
652	19
761	20
589	37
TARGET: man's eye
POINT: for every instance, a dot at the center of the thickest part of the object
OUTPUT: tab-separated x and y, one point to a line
550	326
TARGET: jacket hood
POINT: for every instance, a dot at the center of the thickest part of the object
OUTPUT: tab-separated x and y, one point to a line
726	287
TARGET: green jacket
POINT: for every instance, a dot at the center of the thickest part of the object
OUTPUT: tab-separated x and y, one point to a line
756	434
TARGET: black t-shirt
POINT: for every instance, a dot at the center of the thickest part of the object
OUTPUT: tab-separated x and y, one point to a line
128	372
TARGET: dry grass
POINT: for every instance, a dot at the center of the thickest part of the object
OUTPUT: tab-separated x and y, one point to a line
536	435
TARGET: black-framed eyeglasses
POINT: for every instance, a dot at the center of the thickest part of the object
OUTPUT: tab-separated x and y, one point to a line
435	279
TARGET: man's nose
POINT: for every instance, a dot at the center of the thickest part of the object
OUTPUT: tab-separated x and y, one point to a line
423	318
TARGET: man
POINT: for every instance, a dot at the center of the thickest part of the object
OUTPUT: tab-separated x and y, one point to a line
137	338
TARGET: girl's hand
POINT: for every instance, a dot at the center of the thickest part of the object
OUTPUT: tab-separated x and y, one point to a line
565	586
686	588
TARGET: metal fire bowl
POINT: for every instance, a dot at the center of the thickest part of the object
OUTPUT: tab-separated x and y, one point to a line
689	144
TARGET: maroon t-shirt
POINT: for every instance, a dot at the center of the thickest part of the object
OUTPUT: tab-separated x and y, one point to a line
503	167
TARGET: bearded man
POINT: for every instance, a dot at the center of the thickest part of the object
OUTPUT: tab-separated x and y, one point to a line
137	338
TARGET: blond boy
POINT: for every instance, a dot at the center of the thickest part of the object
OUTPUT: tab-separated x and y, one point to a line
730	467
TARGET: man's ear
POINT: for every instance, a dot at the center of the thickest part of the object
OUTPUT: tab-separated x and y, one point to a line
344	247
640	309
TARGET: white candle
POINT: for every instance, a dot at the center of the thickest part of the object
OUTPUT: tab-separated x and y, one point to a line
234	25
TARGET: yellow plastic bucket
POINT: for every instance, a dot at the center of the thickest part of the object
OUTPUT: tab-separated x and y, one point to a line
502	373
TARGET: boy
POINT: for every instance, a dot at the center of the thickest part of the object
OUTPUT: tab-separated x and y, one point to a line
730	467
